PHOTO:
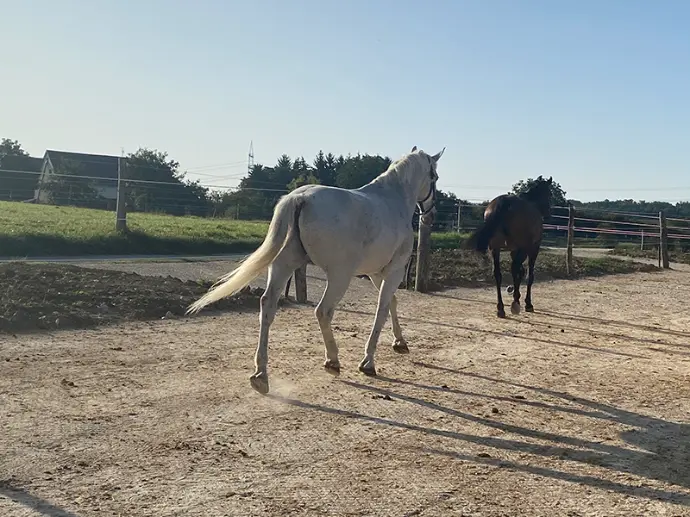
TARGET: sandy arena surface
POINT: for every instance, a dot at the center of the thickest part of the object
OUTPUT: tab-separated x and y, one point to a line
580	409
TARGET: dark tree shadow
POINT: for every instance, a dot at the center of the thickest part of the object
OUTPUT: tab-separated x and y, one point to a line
667	443
20	496
577	317
602	321
601	455
509	334
611	335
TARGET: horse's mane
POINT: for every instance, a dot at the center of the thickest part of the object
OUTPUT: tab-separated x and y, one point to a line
535	191
540	195
401	169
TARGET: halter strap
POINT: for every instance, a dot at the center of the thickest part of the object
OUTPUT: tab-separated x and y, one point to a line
431	194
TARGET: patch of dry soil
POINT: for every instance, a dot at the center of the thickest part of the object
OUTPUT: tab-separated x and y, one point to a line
580	409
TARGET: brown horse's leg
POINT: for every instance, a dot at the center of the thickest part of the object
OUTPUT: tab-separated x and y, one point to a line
530	279
287	288
500	310
518	271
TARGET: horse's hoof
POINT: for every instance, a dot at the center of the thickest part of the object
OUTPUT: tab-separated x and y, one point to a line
332	366
259	382
400	346
510	289
501	313
529	308
367	368
515	308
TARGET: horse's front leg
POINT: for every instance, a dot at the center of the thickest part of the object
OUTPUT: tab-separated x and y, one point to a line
399	342
386	293
530	280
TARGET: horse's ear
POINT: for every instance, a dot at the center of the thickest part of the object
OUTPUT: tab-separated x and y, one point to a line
550	180
437	156
414	149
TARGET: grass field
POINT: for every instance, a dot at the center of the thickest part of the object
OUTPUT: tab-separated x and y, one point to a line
28	230
41	230
682	257
461	268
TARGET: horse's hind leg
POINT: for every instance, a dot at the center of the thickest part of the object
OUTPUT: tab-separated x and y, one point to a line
530	279
335	289
399	344
500	309
287	287
518	271
290	258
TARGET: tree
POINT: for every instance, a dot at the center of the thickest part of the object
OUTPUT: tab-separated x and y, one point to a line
282	173
357	171
557	193
446	209
19	174
305	179
11	148
162	187
64	189
325	169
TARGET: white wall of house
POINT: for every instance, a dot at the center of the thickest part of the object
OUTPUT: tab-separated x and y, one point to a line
108	189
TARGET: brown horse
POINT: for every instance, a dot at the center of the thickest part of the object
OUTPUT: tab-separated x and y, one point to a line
515	222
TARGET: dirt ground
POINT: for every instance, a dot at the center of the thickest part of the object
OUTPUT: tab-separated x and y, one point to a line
38	296
580	409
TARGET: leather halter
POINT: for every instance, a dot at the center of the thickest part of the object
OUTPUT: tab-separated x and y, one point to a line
432	195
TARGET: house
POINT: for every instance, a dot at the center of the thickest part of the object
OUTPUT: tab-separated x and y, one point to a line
95	170
19	177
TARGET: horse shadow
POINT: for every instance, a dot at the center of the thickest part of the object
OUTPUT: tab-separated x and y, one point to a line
662	452
31	502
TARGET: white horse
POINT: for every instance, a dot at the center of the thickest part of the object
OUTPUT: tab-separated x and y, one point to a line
365	231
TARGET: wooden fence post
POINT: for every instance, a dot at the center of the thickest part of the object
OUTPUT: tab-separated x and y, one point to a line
301	284
663	241
421	281
120	207
571	238
459	216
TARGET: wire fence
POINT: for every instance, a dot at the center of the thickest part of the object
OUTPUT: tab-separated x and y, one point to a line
593	226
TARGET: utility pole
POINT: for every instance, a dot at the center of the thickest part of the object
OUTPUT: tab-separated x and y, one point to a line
250	157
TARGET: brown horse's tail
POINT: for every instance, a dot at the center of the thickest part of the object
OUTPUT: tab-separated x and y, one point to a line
480	239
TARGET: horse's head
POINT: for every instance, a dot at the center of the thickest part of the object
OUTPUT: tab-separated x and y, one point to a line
540	195
426	196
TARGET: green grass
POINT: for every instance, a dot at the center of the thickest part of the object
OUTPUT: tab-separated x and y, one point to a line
461	268
28	230
682	257
447	240
43	230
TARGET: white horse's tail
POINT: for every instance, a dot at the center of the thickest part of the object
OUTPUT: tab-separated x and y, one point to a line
284	216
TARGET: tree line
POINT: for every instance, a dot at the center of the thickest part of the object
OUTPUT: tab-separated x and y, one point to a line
170	191
262	187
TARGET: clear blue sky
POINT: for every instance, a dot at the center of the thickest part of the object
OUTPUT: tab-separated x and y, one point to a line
595	93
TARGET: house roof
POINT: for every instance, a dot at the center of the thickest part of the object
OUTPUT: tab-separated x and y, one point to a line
21	163
95	165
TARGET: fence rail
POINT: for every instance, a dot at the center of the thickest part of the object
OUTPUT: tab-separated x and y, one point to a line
566	222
